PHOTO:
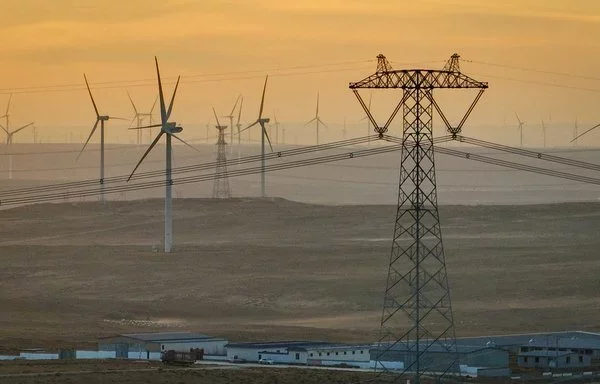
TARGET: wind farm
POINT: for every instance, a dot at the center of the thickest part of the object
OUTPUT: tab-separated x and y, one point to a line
432	217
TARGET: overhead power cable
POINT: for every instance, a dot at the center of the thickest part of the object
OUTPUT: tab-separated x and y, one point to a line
188	168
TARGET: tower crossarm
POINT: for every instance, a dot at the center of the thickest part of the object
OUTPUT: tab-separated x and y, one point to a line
418	78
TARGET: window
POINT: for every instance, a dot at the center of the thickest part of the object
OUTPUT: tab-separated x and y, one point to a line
525	359
319	353
328	353
162	347
361	352
537	359
588	352
581	359
336	353
311	355
344	352
568	359
354	352
297	356
524	349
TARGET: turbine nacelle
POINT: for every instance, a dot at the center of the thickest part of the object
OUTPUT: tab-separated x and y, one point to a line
264	120
171	127
103	118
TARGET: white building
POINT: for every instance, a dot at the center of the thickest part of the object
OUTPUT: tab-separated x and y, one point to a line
301	352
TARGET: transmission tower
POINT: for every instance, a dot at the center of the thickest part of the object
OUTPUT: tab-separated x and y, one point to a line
221	188
417	321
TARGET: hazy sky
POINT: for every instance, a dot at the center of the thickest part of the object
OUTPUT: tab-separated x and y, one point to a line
47	43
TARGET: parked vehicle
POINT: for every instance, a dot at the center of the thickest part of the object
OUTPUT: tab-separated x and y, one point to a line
265	361
182	358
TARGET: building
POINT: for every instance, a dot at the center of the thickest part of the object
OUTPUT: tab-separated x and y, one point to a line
145	345
301	352
473	360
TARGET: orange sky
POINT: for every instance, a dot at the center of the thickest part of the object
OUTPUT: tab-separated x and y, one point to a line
53	42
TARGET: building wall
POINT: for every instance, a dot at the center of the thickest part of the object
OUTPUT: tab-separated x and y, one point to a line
251	354
564	362
211	347
339	354
491	358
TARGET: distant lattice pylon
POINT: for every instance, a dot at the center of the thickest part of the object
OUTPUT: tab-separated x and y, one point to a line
221	189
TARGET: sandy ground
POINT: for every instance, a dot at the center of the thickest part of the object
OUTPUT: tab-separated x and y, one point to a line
253	269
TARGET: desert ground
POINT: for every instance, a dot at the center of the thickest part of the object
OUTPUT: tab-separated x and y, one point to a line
265	269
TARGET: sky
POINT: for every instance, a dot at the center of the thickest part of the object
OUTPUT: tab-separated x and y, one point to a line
225	48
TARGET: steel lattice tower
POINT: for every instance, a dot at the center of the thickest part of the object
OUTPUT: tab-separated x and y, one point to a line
417	320
221	189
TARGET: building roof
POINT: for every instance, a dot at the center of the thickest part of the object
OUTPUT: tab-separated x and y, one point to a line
560	343
168	336
546	354
524	338
435	348
292	345
339	347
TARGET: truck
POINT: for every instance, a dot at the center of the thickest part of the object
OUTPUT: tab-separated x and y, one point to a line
173	357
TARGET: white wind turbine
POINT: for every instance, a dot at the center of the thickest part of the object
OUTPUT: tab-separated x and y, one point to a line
368	120
262	121
170	129
139	117
9	136
99	119
230	117
521	124
317	119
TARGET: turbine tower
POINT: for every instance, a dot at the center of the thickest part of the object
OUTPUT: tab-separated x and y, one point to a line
264	135
169	129
417	287
99	119
575	133
520	128
9	136
317	119
368	120
277	125
221	189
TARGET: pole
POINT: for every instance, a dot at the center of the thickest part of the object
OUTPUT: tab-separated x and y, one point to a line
262	161
168	201
102	161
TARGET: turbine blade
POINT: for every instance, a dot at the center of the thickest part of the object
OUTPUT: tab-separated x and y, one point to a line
215	113
310	121
91	97
184	142
146	153
321	121
132	104
317	112
20	129
153	105
173	98
262	101
8	105
235	105
163	108
4	129
88	139
147	126
240	110
578	136
266	135
250	126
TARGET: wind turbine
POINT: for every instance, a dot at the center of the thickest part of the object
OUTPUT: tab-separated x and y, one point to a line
317	119
170	129
575	132
9	136
99	119
544	132
230	117
262	121
138	117
521	124
276	128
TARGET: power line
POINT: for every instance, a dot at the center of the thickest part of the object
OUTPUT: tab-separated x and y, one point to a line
533	70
